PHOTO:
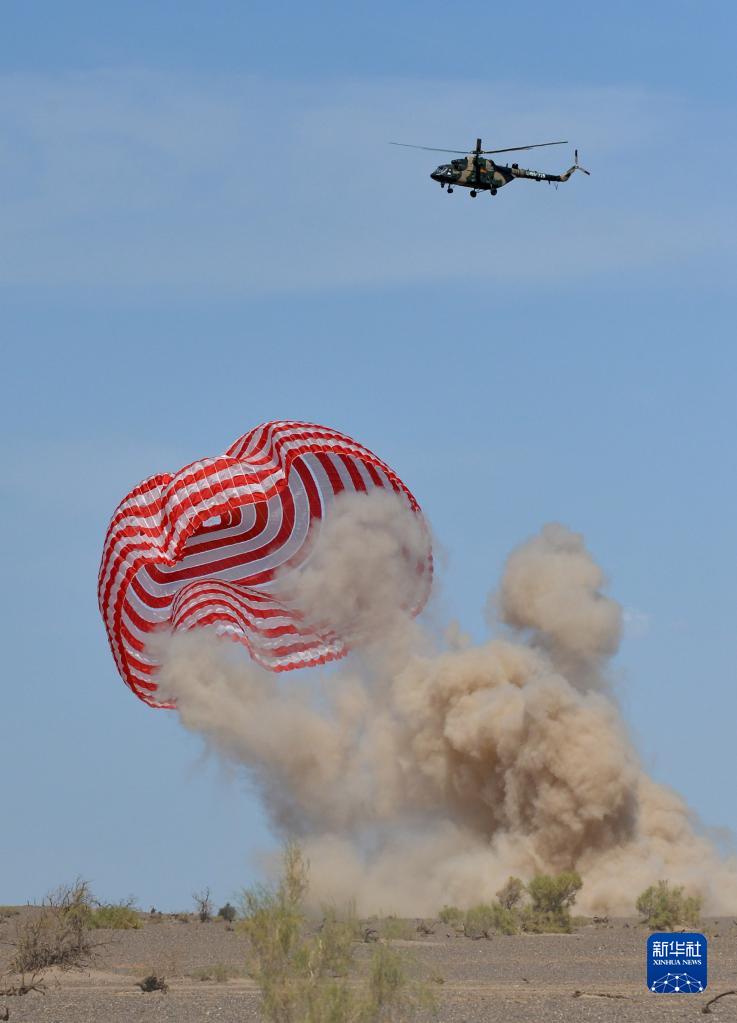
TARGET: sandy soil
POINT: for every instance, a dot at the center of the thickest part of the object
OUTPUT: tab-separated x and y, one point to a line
595	974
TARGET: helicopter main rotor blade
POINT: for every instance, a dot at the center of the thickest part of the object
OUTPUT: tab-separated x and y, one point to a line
432	149
518	149
472	152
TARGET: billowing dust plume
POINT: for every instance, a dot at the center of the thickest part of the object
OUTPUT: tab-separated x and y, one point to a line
358	577
416	776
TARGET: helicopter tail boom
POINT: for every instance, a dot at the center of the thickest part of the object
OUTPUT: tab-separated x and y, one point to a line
520	172
566	175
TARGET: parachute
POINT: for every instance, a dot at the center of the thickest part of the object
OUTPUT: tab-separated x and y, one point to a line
210	545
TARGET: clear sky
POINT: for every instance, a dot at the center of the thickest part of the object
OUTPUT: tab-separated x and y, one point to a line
202	227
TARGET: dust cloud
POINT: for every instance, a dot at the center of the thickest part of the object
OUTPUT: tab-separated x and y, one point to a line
422	772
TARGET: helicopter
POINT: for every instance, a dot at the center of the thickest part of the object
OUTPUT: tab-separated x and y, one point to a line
479	174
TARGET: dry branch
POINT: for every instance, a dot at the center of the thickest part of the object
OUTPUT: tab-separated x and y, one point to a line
25	987
595	994
716	999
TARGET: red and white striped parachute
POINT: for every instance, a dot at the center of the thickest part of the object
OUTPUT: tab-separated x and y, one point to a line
202	547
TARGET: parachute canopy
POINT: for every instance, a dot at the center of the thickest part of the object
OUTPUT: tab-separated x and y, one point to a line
212	545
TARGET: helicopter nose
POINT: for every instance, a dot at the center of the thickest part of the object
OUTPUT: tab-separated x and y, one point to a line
436	174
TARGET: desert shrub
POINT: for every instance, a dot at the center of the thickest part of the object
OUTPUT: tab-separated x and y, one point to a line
551	898
585	921
203	902
58	934
393	928
537	922
553	893
153	983
665	908
489	918
227	913
478	921
510	894
302	972
24	986
273	922
117	916
337	932
452	916
507	920
387	977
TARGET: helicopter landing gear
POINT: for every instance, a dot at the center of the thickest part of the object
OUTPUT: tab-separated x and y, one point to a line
474	193
450	189
493	191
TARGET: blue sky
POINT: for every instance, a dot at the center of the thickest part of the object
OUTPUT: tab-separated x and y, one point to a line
203	228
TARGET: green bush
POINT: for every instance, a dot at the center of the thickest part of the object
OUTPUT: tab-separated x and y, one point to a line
387	977
665	908
489	918
335	938
302	973
227	913
536	922
551	898
120	916
392	928
510	895
452	916
58	934
553	893
507	920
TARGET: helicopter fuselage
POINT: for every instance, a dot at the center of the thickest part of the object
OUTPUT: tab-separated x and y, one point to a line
473	172
481	174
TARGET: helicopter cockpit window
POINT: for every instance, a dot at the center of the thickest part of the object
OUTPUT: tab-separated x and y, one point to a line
458	164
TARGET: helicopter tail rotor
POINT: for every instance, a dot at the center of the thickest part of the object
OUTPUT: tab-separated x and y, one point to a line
577	165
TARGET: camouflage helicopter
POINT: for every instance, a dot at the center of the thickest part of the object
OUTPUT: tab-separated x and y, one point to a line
482	175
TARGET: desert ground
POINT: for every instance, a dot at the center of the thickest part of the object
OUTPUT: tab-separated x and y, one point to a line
595	973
